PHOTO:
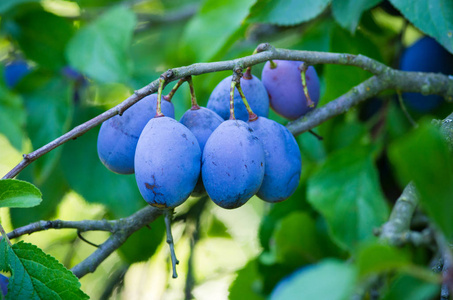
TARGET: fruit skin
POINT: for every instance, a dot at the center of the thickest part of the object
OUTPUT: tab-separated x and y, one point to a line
15	71
254	91
4	284
167	162
202	122
283	163
425	55
233	164
119	135
284	86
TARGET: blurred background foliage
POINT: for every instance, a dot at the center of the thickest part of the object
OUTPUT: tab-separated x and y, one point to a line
82	57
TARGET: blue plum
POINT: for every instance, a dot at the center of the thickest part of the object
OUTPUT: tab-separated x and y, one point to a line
254	91
167	162
283	162
284	86
15	71
4	284
118	136
425	55
202	122
233	164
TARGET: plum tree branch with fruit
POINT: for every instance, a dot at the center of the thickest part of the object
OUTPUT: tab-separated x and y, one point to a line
383	78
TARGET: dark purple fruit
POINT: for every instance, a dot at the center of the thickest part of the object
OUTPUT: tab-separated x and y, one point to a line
284	86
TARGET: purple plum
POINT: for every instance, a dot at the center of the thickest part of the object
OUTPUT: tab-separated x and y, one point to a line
118	136
254	91
233	164
4	284
167	162
202	122
283	162
284	86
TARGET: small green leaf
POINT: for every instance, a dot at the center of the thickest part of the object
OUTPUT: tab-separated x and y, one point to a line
282	12
423	156
346	191
18	193
328	280
106	59
12	117
37	275
434	17
43	37
246	284
411	288
348	12
375	258
213	26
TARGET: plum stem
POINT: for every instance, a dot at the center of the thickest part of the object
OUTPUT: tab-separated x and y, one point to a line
159	98
303	69
273	64
248	71
174	261
252	115
320	138
404	109
174	89
233	84
193	98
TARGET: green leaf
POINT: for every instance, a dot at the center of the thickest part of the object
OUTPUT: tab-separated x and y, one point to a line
37	275
12	117
411	288
213	26
423	156
434	17
348	12
282	12
6	5
53	190
18	193
346	191
376	258
91	179
296	240
246	283
101	49
328	280
142	244
48	101
43	37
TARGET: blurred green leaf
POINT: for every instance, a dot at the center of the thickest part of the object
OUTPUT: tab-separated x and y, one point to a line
282	12
12	117
346	191
53	190
376	258
101	49
6	5
328	280
210	30
37	275
348	12
411	288
91	179
423	156
43	37
48	101
142	244
434	17
247	283
296	240
18	193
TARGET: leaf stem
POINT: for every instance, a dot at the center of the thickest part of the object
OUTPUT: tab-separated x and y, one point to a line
5	236
174	261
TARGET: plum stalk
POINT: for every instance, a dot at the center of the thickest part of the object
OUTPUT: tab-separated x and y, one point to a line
303	69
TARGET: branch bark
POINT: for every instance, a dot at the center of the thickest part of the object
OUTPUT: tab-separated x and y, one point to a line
385	78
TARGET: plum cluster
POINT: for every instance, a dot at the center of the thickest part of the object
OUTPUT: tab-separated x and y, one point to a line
229	149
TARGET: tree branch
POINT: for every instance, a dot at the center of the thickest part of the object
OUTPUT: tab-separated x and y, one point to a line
385	78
